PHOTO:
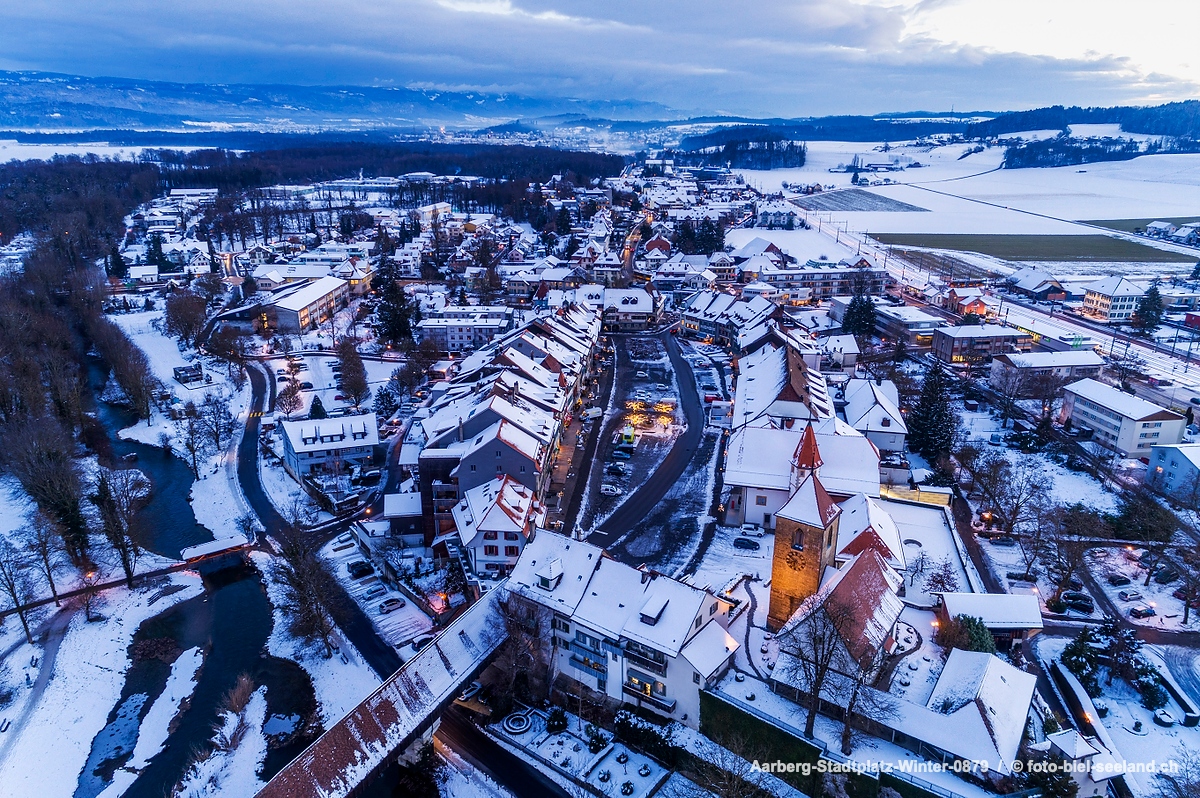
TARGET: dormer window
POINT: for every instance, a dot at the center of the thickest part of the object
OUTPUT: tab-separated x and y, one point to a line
887	422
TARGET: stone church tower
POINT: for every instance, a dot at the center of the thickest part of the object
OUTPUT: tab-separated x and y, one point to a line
805	535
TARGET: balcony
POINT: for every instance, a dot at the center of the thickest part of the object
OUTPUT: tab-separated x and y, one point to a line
657	668
591	667
661	704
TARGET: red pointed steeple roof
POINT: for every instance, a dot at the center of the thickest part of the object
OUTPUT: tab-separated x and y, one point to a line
808	456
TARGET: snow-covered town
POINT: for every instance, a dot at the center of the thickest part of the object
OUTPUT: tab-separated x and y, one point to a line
433	438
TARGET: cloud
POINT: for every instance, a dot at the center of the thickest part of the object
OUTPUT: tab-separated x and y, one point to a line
784	58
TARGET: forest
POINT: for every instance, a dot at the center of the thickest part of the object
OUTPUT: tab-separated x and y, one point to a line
1067	151
1180	119
768	151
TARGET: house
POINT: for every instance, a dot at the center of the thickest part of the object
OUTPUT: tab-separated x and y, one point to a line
865	524
1175	471
1188	234
842	350
462	328
1092	764
307	305
1026	368
780	383
1159	229
144	273
912	325
329	445
630	309
1010	617
972	344
1036	284
718	317
872	407
402	512
1125	424
624	635
494	521
1111	300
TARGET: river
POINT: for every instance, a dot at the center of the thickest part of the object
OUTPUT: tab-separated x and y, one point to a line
230	622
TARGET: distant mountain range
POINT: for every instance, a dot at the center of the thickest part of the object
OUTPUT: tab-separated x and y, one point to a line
44	101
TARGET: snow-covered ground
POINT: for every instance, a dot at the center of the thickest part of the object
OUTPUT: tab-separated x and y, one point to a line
922	667
239	749
339	682
926	529
398	627
74	687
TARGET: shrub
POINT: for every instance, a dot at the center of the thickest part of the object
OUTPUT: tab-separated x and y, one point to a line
556	721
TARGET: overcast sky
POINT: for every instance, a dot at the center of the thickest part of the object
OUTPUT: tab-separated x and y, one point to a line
763	58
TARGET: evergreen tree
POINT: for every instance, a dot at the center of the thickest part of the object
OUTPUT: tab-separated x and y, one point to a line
562	222
1148	315
117	267
1195	272
1080	658
317	410
859	320
395	315
933	424
1053	778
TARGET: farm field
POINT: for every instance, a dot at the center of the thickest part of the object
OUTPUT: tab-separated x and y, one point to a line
1129	225
1039	247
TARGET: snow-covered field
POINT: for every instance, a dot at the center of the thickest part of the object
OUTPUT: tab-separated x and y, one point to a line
74	688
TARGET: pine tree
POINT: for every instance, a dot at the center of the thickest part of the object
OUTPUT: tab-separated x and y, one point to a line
317	410
1148	316
1054	779
860	317
933	424
1081	659
116	264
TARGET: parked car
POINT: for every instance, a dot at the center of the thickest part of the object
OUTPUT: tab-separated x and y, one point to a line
641	375
1141	612
374	592
621	454
660	387
615	470
284	378
1078	601
1118	580
470	691
610	490
391	605
745	543
306	386
345	537
752	530
359	568
1166	575
1129	595
1004	540
421	642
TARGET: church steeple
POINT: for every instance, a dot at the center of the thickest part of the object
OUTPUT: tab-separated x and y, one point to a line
807	457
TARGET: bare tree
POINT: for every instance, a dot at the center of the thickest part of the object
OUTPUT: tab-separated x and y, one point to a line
1066	532
943	578
1047	389
726	769
1010	385
860	697
217	420
288	400
192	437
15	582
120	495
1185	781
813	646
40	454
917	566
44	541
527	655
308	590
185	315
1016	493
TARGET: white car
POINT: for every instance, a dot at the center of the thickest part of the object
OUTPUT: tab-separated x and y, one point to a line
641	375
610	490
752	530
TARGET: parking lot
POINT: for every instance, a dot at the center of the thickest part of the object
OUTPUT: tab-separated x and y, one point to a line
398	627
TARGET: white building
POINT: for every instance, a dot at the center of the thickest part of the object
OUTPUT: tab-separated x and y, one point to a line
1123	423
632	635
494	521
329	445
310	304
1068	364
1112	299
1175	470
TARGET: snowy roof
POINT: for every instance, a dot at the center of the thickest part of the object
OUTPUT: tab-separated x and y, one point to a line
1118	401
846	344
761	457
310	293
851	464
983	697
553	556
1113	287
810	505
501	505
1072	744
866	524
401	505
332	433
710	649
996	610
278	272
981	331
1046	360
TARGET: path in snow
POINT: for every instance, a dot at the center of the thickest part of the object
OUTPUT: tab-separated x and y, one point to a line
52	632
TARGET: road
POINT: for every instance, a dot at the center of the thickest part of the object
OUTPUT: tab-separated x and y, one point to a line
508	770
643	500
349	616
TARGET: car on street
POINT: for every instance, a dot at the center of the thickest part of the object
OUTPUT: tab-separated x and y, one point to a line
1129	595
753	530
1118	580
1141	612
610	490
391	605
421	642
621	454
748	544
470	691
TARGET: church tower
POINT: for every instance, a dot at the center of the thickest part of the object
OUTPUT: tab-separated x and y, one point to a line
805	536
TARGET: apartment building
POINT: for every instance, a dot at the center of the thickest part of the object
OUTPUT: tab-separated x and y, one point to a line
1126	424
